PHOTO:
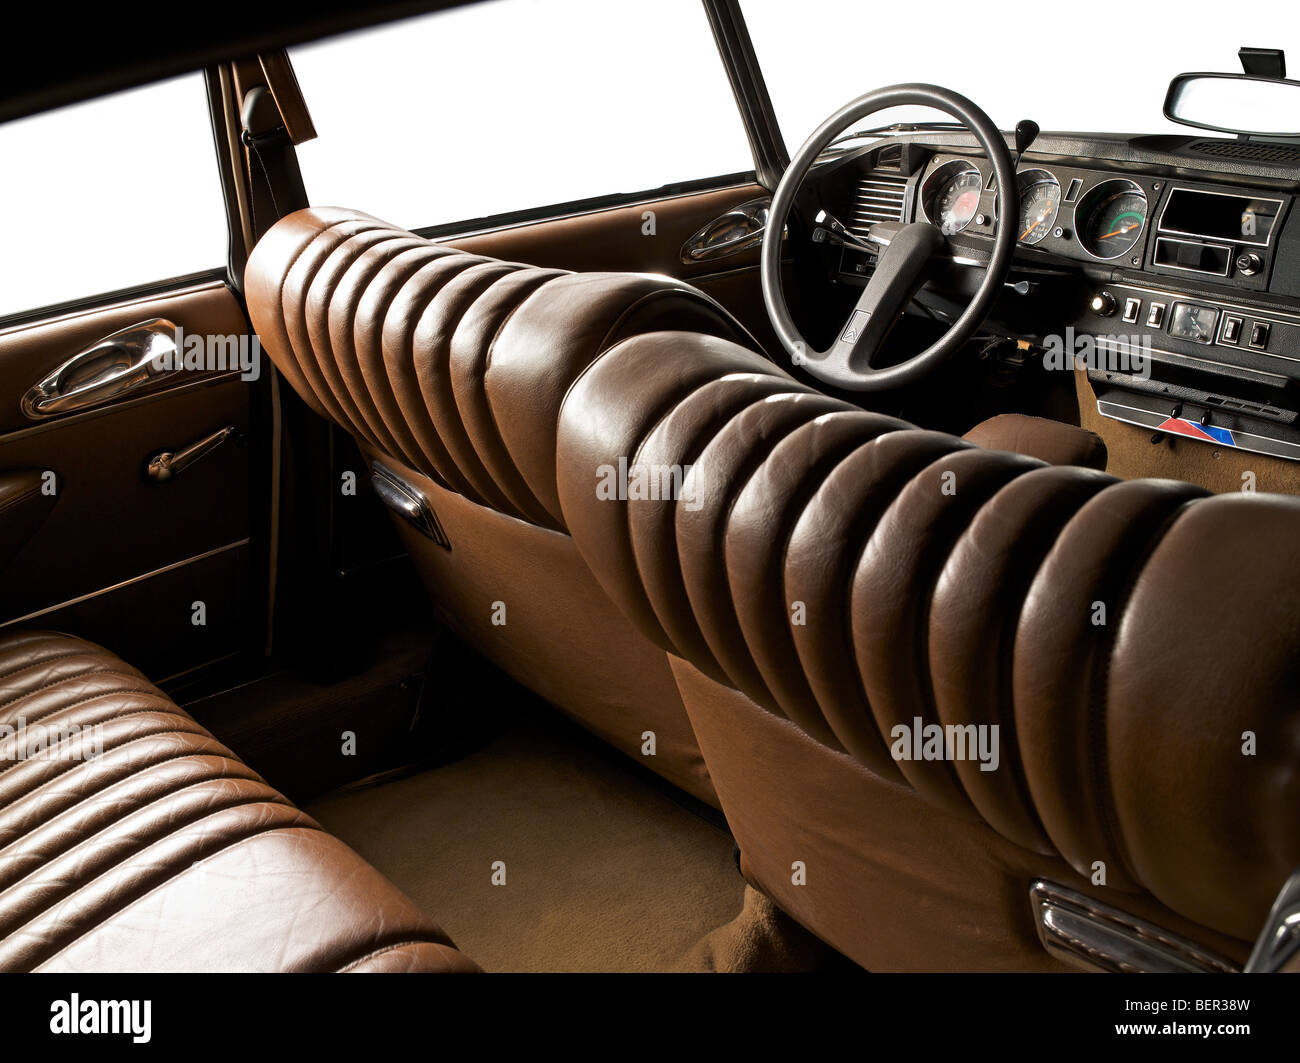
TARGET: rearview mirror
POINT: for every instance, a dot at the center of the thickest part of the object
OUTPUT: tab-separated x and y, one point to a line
1235	103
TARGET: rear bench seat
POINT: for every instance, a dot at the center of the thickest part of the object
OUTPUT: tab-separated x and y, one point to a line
159	850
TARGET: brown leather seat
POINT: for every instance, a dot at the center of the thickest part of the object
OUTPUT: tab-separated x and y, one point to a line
1039	437
840	581
450	370
132	840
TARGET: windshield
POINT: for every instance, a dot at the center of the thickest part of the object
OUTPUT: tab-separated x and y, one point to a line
1097	67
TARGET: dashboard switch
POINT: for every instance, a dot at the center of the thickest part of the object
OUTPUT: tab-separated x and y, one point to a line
1103	304
1132	309
1259	335
1232	330
1249	264
1156	316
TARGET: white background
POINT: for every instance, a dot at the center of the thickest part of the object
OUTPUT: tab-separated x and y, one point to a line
1090	66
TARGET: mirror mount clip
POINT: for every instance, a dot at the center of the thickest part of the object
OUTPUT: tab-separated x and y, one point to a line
1263	62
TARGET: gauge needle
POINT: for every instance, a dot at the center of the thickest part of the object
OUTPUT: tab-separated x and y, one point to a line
1120	231
1037	221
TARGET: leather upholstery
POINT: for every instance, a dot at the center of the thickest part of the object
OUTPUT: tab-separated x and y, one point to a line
132	840
851	573
453	366
564	639
1039	437
891	881
24	505
453	363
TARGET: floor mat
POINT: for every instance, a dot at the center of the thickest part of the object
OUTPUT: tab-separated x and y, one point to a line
602	870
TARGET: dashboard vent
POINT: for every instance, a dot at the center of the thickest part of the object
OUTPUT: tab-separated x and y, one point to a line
880	197
1252	150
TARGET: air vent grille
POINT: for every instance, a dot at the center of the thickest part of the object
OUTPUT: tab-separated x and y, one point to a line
880	197
1252	150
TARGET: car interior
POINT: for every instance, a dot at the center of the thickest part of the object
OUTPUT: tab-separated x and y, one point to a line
880	558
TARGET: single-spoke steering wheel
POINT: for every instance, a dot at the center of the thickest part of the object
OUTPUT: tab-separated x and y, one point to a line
907	252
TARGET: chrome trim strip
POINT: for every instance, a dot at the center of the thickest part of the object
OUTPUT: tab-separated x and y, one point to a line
1269	446
126	583
1085	933
1193	361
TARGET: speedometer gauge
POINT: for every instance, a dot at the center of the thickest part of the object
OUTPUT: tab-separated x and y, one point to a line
951	196
1112	218
1040	200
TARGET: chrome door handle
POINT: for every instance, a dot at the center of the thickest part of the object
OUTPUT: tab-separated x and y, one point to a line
106	370
168	464
739	229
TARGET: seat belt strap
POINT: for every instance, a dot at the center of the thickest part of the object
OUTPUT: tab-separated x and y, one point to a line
276	185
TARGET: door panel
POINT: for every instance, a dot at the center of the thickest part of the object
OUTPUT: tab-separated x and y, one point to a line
617	239
120	558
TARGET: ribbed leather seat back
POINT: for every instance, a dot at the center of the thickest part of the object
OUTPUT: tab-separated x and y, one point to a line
450	368
1136	644
451	363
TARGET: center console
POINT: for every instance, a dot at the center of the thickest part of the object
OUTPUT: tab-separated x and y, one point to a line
1211	314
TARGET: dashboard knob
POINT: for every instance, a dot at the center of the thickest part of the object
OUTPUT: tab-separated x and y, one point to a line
1249	264
1103	304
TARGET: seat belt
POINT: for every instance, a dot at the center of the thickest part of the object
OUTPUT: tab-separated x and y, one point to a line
274	119
276	185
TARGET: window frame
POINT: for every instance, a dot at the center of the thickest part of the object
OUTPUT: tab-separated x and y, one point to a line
578	208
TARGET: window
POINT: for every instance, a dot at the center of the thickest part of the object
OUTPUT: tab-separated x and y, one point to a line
517	104
111	194
1104	65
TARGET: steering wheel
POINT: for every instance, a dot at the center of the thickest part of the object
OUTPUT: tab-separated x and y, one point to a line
907	252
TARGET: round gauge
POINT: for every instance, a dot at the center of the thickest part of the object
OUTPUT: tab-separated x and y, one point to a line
1114	216
952	196
1040	200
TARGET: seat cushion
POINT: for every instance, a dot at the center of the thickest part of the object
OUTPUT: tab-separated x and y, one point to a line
132	840
1051	441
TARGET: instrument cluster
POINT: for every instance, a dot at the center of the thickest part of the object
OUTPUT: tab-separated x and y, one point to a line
1106	218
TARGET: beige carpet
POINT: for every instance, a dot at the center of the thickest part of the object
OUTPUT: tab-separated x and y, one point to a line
604	872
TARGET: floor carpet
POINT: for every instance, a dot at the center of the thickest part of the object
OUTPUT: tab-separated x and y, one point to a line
603	870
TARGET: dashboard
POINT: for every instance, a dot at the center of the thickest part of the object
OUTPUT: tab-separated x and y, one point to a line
1106	217
1186	248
